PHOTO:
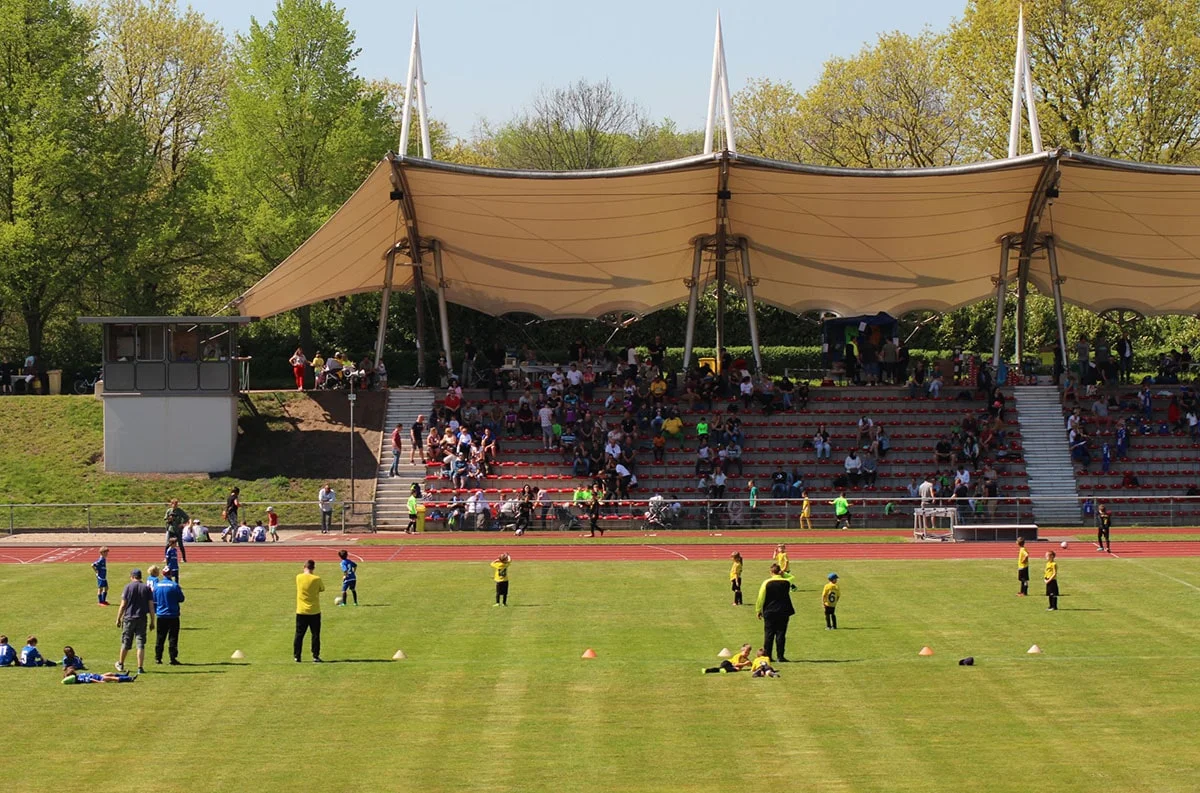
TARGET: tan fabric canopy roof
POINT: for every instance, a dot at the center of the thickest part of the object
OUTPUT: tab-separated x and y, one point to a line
585	244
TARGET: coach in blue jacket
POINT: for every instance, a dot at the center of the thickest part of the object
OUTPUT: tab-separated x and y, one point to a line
167	597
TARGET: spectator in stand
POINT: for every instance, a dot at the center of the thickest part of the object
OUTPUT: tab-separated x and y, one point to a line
1079	449
865	426
416	438
659	444
915	383
468	362
658	391
733	457
786	390
853	466
796	482
971	451
935	386
888	358
1100	412
991	489
525	420
588	382
397	448
801	397
658	352
870	467
1125	357
779	484
673	427
453	400
943	452
1175	415
1082	350
704	458
821	444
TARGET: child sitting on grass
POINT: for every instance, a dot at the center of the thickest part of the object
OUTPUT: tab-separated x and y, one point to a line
761	667
71	659
8	655
735	664
72	676
30	656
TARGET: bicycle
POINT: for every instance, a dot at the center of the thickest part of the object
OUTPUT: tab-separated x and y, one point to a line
85	384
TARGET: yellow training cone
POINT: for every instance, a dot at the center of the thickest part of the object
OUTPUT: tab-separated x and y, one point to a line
725	653
588	653
399	656
1034	650
238	655
926	651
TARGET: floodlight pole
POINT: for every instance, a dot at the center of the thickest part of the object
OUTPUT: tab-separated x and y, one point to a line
415	81
693	299
748	282
1022	89
1001	295
441	295
388	273
1056	286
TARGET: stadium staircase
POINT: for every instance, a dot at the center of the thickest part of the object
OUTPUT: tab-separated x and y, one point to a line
391	493
772	442
1052	485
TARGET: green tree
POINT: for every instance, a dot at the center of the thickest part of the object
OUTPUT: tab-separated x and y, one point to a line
301	132
64	169
1115	78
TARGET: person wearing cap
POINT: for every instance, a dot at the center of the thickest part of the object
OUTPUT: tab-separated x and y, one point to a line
132	618
167	597
308	611
774	607
829	599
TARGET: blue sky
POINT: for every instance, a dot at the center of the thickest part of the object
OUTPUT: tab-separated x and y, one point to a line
488	59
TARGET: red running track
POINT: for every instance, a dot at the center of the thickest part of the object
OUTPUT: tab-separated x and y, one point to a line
597	552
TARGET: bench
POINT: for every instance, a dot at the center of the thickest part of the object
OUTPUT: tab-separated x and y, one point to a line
998	532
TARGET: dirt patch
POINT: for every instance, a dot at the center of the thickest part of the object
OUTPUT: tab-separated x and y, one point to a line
309	438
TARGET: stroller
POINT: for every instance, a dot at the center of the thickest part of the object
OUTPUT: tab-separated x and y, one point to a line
565	519
659	514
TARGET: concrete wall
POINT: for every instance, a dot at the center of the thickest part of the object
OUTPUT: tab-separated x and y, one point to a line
169	434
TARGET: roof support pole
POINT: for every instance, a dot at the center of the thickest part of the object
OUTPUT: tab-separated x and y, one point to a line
1052	255
748	282
693	300
388	271
1001	294
443	317
415	82
720	277
719	91
419	302
1022	293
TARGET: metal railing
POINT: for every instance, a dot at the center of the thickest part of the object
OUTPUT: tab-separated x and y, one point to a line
772	512
149	516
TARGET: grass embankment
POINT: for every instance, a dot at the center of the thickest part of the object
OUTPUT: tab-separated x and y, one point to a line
51	452
498	699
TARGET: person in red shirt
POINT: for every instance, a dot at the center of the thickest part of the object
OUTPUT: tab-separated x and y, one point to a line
453	402
397	446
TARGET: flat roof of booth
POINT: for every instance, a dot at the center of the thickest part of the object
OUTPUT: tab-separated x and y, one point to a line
166	320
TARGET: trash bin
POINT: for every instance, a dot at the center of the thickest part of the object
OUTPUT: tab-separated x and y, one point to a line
420	517
711	362
55	377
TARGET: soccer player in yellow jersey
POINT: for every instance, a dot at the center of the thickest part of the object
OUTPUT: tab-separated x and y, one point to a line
829	599
761	666
1022	567
735	578
781	558
735	664
1051	581
805	511
500	576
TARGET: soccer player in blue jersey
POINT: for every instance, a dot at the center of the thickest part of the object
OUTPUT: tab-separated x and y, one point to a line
172	560
8	654
74	676
31	656
101	568
71	659
349	577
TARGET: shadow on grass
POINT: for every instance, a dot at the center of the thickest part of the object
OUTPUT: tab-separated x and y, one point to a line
525	605
199	672
829	660
863	628
372	606
220	663
190	628
361	661
1070	609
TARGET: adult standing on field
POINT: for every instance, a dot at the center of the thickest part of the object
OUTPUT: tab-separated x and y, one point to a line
232	504
774	608
397	447
308	611
299	367
325	500
175	519
167	597
132	618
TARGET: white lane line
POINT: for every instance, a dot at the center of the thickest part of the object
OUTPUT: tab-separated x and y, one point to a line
1157	572
356	556
668	550
42	556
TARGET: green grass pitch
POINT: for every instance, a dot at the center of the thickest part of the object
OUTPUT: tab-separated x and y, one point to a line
494	699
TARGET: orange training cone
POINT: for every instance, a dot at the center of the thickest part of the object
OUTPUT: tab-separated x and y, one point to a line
588	653
926	651
1034	650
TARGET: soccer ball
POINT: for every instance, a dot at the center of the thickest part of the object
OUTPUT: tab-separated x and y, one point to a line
1063	544
337	601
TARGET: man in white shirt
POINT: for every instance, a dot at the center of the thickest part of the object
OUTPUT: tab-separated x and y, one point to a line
864	430
477	508
718	484
574	376
325	499
853	468
926	491
612	449
964	475
557	376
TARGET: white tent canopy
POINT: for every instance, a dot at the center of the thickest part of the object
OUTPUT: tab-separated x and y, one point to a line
586	244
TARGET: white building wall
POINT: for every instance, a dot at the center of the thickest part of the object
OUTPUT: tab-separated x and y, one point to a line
169	434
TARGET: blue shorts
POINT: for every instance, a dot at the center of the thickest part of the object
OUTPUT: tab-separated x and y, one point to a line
101	583
349	583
